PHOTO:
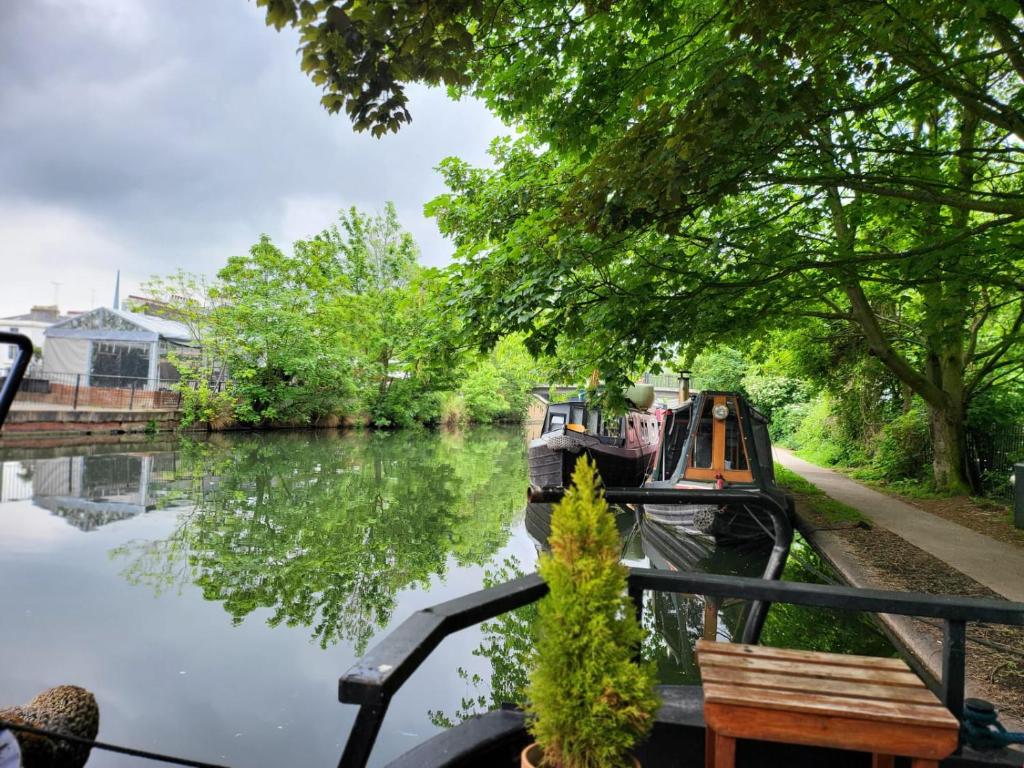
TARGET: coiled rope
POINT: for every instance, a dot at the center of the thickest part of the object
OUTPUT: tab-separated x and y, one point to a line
981	727
131	751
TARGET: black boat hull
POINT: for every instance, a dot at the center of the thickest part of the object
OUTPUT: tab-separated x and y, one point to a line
618	467
734	525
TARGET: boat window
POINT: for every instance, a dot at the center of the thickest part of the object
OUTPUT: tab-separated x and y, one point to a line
676	426
594	421
735	454
702	438
576	414
557	421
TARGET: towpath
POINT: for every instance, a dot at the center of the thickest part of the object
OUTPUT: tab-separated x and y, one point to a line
997	565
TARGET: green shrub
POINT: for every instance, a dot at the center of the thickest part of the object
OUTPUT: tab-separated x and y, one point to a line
904	448
453	410
821	438
786	421
203	404
589	701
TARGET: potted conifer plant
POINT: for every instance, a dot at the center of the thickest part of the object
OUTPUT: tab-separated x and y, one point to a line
590	702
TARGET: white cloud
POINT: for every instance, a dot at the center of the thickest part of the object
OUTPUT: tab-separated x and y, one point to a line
153	136
43	245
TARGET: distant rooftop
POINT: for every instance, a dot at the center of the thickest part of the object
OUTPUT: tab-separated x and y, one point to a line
40	313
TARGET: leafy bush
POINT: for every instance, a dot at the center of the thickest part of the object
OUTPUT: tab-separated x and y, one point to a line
904	448
201	403
786	421
589	702
721	368
821	436
782	399
453	410
406	403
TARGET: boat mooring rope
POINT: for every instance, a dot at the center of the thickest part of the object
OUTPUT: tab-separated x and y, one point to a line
131	751
981	727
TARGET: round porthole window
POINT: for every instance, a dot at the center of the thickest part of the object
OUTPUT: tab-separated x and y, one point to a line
720	411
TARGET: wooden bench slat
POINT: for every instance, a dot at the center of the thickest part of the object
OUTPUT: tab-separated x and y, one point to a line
934	716
857	690
877	736
809	672
788	654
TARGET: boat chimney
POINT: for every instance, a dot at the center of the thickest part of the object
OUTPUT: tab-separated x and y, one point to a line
684	386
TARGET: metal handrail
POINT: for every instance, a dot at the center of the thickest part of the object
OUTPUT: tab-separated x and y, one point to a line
374	680
16	372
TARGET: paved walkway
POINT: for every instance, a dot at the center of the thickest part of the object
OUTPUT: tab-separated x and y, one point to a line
998	566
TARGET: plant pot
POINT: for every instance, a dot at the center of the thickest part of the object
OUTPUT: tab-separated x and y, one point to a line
532	755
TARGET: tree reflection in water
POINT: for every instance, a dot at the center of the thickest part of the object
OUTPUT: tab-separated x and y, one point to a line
325	529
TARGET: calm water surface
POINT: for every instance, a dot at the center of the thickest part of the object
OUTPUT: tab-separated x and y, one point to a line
210	592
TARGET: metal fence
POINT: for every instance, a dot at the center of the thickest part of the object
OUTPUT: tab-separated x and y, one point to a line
661	380
991	456
80	391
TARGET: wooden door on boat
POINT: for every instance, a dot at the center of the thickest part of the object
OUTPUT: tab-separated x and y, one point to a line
718	447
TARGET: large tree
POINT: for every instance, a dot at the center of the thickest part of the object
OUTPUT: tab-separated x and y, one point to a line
700	169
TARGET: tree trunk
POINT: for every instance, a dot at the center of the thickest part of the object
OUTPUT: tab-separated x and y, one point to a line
949	443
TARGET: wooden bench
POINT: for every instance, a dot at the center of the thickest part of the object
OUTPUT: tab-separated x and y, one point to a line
861	703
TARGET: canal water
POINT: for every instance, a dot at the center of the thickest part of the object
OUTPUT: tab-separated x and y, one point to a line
211	591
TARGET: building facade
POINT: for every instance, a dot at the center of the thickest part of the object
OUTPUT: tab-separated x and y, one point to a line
32	324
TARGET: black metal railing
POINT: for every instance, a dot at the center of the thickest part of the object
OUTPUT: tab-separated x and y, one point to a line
79	391
14	376
377	677
990	458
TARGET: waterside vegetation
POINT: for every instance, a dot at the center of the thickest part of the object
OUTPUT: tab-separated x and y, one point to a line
348	328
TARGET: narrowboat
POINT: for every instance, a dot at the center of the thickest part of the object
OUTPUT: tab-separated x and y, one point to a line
716	440
623	447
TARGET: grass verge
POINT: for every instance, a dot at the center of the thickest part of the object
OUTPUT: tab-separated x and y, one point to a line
823	507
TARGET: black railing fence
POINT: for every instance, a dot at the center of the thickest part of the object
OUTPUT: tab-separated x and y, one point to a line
990	459
377	677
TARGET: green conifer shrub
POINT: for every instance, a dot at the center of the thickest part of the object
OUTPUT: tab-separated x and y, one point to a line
589	702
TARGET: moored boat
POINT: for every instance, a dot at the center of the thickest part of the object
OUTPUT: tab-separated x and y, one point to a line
715	440
623	447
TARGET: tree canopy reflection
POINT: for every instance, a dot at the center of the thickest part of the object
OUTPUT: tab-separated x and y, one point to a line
324	530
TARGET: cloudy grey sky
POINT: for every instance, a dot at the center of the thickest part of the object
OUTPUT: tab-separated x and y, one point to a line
148	135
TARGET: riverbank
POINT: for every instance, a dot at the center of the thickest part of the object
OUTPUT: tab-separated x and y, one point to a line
56	420
866	554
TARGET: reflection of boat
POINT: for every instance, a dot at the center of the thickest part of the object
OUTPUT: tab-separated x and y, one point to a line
623	447
715	440
680	619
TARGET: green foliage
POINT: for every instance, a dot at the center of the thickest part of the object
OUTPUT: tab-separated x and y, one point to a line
705	172
496	386
589	702
721	368
347	327
904	448
821	437
202	401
